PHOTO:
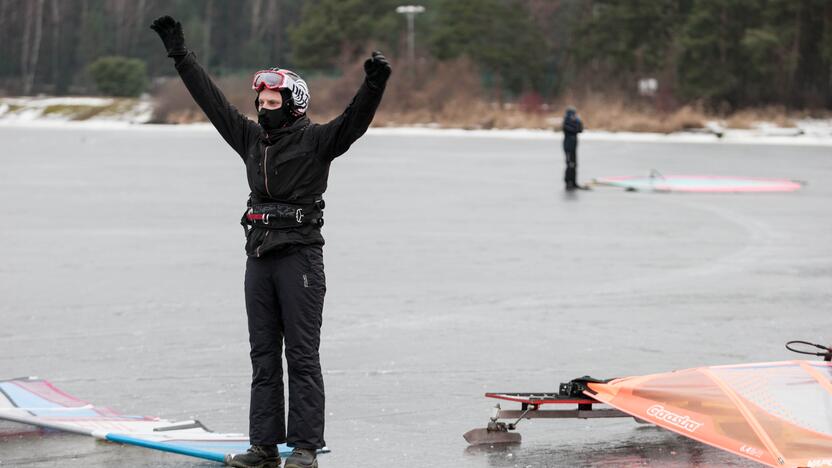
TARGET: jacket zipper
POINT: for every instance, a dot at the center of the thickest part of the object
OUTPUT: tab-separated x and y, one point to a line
266	170
266	179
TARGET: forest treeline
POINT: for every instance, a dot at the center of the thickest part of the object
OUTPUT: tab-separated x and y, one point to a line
724	54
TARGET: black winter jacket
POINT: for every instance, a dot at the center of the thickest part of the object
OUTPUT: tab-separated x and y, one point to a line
572	126
291	165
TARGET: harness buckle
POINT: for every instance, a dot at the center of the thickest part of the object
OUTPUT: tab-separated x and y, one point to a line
299	215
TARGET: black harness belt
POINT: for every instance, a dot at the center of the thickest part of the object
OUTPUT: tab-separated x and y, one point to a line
278	215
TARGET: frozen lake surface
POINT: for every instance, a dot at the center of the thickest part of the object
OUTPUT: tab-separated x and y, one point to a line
455	266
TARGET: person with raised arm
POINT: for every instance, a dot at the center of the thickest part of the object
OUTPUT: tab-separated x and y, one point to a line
287	159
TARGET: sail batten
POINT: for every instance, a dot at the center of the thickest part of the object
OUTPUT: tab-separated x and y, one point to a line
778	414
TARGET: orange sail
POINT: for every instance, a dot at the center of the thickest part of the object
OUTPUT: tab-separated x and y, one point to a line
778	413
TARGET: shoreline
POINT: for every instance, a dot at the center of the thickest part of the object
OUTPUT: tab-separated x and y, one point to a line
728	136
120	113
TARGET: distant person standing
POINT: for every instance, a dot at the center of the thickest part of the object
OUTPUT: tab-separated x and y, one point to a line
572	126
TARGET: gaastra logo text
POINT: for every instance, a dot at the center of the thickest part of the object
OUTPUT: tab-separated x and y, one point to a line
817	462
685	422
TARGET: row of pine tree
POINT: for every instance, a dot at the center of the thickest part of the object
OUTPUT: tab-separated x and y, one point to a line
725	53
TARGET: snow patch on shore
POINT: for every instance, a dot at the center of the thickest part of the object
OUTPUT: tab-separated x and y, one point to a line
74	109
43	102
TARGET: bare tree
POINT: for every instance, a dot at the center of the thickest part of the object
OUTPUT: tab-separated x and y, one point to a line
256	22
139	22
130	20
56	36
273	28
206	43
30	51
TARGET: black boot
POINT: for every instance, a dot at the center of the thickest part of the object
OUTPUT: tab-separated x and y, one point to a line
302	458
257	456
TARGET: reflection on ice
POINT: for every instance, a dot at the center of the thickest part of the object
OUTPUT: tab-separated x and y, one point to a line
648	446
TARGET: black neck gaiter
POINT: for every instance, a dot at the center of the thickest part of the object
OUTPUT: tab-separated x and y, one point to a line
275	119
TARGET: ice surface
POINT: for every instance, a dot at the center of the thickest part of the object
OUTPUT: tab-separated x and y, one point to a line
455	266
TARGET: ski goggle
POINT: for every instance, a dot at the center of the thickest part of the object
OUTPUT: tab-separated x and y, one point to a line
271	79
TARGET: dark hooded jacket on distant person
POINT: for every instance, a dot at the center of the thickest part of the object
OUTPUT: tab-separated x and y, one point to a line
572	126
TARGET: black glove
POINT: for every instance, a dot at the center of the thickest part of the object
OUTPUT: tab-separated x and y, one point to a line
377	69
170	31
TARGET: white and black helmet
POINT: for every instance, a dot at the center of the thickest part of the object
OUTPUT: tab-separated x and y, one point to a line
294	90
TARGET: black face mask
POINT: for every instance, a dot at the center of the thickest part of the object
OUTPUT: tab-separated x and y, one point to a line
273	119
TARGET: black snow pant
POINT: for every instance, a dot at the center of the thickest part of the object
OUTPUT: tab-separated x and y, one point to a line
570	176
284	301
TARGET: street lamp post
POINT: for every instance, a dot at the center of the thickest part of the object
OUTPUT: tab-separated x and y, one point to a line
410	11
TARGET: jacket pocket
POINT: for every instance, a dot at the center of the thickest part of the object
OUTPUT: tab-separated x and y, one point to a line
313	275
